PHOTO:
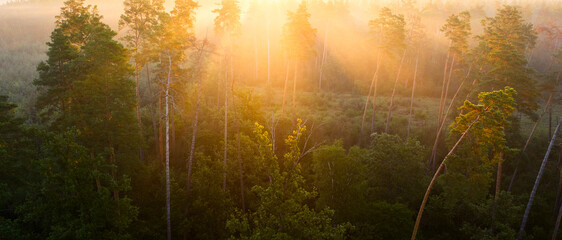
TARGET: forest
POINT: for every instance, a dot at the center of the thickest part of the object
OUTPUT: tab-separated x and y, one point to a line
280	119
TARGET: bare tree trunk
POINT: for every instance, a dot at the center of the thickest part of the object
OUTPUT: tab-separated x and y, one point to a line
549	121
194	130
154	124
443	85
268	59
256	51
219	82
160	140
323	58
537	181
529	139
558	204
444	118
225	128
426	196
497	193
295	91
557	225
172	129
139	120
367	101
375	99
412	97
285	87
168	214
240	168
394	91
558	189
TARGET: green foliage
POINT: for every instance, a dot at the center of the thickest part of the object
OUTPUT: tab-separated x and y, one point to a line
505	39
457	29
298	35
282	212
390	32
228	18
391	164
488	132
71	200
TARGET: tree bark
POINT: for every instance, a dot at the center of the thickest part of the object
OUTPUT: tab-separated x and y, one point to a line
256	51
444	119
537	181
497	193
154	124
168	214
194	130
394	91
529	139
426	196
268	58
225	128
295	92
240	168
412	97
285	87
443	85
373	82
139	121
323	58
557	225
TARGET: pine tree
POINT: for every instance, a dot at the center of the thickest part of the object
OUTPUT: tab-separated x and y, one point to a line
86	79
457	29
298	40
389	36
485	121
140	19
227	24
505	38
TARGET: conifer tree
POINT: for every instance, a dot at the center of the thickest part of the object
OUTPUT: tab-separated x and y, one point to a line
505	38
86	84
140	19
298	40
389	34
227	24
457	29
485	121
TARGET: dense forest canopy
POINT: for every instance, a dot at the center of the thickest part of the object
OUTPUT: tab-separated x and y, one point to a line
256	119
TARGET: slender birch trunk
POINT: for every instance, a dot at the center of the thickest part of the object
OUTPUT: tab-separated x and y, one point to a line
295	91
139	120
537	181
225	128
394	91
152	113
168	214
497	193
557	225
558	206
549	101
441	166
444	119
256	51
240	168
412	97
285	86
323	58
373	118
194	130
268	58
443	85
367	101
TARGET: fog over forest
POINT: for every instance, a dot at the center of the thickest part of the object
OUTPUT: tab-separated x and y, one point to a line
280	119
